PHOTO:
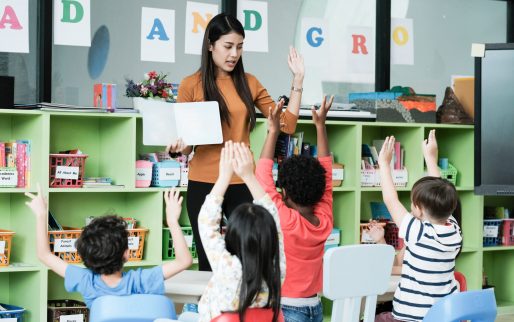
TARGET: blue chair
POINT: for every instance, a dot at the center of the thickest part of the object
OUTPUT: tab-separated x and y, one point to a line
131	308
477	306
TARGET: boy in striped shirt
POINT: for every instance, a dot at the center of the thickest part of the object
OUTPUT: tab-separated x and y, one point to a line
431	235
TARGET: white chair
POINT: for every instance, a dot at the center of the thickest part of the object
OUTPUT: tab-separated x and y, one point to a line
353	272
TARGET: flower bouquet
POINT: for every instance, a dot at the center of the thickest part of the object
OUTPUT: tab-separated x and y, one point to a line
153	86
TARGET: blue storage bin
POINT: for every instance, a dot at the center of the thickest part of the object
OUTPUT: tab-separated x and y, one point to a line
166	174
379	211
492	232
13	312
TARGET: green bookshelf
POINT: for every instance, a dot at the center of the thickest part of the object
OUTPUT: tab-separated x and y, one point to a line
113	142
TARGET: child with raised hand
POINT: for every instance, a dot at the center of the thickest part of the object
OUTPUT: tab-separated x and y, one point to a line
432	236
248	265
103	246
306	217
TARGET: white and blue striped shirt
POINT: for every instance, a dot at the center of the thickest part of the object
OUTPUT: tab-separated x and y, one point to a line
428	266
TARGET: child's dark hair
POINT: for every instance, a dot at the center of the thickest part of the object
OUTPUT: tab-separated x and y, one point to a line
252	237
303	179
436	195
103	243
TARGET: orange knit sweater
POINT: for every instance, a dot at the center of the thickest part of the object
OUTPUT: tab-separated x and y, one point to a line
205	163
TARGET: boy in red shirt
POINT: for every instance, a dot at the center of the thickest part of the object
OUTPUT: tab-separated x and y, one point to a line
306	217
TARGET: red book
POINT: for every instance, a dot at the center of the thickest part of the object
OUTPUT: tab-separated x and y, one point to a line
21	156
2	154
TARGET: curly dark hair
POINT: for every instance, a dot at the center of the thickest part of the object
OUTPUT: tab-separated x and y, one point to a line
103	243
303	179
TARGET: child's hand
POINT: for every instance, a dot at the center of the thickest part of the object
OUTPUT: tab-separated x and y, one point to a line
319	116
38	203
243	161
274	118
173	201
386	153
376	232
225	168
430	148
295	63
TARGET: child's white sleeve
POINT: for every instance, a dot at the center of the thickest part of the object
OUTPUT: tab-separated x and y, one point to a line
411	229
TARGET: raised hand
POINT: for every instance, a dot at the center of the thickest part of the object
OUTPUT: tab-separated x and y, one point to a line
243	161
295	63
173	201
386	153
274	124
37	203
319	116
430	148
225	168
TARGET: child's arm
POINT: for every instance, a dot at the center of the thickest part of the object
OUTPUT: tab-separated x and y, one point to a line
268	149
398	262
39	207
430	154
395	207
319	117
209	217
183	258
243	167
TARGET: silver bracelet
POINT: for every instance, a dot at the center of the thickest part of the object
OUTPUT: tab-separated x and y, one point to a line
296	89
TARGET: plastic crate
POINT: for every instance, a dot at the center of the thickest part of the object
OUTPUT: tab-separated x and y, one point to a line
168	252
508	232
391	236
67	170
12	312
58	309
449	174
379	211
166	174
5	246
492	232
136	243
62	244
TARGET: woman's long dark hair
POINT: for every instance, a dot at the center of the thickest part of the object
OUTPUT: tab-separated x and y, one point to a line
220	25
252	237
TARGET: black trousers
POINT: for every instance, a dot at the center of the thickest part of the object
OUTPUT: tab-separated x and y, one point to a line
196	192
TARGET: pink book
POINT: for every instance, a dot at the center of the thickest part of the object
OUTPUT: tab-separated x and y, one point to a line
398	154
2	154
21	156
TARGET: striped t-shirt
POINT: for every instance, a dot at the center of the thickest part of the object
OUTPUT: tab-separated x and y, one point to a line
428	266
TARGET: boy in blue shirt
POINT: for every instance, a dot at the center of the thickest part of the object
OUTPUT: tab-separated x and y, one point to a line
103	246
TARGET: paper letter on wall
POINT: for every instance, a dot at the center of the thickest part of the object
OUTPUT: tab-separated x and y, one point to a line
72	22
402	42
254	17
14	26
198	16
361	46
158	35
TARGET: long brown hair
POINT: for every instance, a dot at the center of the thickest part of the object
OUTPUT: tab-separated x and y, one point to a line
221	25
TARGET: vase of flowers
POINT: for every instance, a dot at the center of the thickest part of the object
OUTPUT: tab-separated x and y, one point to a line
153	87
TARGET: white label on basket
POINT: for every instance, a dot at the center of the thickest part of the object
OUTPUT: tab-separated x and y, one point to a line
337	174
183	176
2	247
491	231
67	172
65	245
189	240
9	320
144	174
169	174
8	178
366	237
133	242
72	318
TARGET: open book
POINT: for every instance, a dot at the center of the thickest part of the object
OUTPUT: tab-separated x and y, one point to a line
196	123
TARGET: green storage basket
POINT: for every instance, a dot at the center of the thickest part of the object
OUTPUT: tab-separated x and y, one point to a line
168	252
449	174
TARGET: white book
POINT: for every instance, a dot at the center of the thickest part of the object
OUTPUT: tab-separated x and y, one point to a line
196	123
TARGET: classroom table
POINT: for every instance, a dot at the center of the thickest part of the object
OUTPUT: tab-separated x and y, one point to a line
188	286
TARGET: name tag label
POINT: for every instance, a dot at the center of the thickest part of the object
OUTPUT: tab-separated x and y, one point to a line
491	231
2	247
8	177
169	174
337	174
72	318
133	242
65	245
67	172
144	174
